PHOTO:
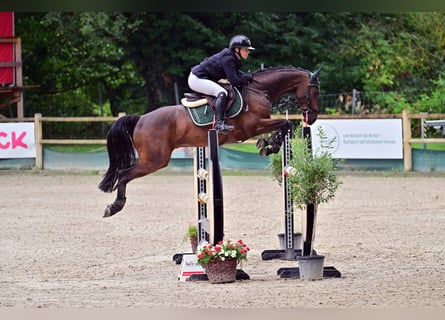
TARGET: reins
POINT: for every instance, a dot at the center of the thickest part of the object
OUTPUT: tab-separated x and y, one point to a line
258	91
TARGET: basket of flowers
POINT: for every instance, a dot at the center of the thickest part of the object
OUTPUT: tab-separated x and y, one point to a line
220	260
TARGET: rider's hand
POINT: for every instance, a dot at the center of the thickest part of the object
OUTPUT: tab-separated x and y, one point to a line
247	76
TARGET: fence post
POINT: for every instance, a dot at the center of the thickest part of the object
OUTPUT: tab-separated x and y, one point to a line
407	152
38	138
354	100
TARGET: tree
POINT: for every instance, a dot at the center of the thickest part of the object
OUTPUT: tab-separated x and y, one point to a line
68	54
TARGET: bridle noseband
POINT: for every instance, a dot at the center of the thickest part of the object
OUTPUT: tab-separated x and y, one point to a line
308	107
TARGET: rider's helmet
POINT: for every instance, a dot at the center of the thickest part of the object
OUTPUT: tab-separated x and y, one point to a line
240	41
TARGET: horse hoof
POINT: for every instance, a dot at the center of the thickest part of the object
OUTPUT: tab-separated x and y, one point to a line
263	152
107	212
261	143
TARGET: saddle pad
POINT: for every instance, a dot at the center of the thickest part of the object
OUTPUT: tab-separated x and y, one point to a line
203	115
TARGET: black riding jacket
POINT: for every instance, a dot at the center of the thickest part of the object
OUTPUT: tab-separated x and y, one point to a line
222	65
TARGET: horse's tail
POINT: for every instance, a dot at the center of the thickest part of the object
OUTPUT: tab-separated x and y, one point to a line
121	152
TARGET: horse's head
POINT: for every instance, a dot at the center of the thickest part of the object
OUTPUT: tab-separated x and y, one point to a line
307	97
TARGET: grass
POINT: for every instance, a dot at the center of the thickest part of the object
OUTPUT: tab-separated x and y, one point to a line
78	148
429	146
243	147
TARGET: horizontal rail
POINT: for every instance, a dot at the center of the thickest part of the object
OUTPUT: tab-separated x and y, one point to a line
427	140
78	119
73	141
405	116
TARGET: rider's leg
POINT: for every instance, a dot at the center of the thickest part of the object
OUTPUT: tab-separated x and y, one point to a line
214	89
220	108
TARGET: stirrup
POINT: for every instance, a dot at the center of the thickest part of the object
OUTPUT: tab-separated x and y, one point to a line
223	126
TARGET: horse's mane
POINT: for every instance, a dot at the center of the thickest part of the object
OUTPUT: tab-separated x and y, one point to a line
285	68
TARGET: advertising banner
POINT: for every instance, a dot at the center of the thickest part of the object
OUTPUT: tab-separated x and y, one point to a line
17	140
6	49
361	138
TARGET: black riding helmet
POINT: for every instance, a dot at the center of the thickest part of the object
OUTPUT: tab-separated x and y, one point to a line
240	41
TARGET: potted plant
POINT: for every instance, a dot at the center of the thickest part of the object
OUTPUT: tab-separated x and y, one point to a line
220	260
192	235
313	180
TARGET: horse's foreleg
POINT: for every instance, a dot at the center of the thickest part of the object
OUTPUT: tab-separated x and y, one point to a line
273	144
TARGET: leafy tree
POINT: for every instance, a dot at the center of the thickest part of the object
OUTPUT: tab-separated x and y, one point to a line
137	60
69	54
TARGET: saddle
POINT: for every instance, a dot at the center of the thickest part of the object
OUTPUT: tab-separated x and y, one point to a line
196	99
201	107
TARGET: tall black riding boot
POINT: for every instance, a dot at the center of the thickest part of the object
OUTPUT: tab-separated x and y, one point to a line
220	106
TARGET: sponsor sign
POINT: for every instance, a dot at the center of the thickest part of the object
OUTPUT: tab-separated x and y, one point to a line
189	266
361	138
17	140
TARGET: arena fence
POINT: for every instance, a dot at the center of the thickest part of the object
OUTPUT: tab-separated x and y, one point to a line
406	117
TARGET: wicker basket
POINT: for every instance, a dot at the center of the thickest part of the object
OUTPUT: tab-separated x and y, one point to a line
221	271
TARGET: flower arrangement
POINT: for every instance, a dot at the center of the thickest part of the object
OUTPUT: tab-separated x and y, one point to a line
226	249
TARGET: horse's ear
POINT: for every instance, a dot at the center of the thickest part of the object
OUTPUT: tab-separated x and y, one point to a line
315	74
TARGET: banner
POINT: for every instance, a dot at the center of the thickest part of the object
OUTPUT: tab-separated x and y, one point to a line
6	49
361	138
17	140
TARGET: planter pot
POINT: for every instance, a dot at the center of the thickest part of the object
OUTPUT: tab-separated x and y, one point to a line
297	240
194	244
311	267
221	271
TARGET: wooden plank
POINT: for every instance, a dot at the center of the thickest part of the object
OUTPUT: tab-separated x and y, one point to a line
407	153
73	141
38	137
79	119
427	140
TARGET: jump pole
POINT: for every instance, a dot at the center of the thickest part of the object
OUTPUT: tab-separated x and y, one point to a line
216	232
308	224
309	217
201	195
209	192
289	252
209	195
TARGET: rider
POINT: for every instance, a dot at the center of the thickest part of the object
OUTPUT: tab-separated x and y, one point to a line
225	64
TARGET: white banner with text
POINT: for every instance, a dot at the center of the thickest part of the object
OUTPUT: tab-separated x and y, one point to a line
361	138
17	140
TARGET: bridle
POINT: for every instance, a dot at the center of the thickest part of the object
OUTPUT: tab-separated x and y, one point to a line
308	107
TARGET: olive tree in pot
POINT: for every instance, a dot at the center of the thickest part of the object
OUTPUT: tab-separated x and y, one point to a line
313	180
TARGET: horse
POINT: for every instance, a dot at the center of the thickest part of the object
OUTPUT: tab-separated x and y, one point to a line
154	135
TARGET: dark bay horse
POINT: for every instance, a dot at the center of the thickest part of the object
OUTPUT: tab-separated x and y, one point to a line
156	134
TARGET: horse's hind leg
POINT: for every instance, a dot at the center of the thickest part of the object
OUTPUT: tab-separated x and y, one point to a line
119	202
143	167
